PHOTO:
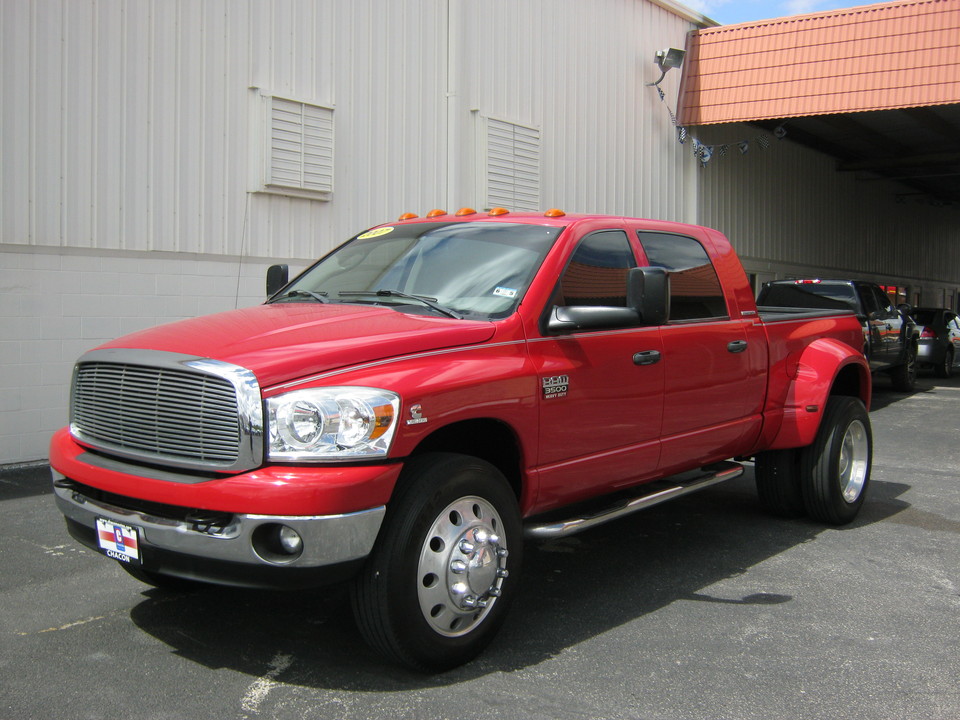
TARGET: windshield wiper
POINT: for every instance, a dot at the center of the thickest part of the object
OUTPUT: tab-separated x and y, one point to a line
318	296
428	301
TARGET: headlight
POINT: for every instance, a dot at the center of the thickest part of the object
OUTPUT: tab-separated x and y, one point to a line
334	423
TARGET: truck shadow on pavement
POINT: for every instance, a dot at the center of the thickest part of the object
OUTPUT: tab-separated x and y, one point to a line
884	395
572	590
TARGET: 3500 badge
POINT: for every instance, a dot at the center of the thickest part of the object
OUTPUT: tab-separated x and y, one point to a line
555	387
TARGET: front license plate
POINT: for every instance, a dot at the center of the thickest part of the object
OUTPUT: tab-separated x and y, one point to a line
121	542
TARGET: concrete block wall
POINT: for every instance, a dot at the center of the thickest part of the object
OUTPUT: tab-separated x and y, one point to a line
56	304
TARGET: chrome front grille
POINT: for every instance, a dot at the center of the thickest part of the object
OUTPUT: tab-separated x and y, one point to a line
183	412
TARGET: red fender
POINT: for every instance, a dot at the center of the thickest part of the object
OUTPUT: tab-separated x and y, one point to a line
816	374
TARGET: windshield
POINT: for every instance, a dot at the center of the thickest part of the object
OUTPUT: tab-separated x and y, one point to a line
473	269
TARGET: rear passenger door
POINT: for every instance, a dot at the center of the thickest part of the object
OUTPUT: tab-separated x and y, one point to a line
713	386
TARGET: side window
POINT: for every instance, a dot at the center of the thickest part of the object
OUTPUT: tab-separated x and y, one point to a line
886	307
869	301
597	273
695	291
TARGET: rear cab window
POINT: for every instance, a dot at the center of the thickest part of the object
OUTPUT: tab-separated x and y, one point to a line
695	291
813	294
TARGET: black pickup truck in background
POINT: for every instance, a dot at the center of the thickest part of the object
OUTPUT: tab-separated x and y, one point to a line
890	336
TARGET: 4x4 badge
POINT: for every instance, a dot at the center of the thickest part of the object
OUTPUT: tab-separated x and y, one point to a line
416	415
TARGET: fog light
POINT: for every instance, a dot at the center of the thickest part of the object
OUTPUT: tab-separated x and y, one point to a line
290	540
276	543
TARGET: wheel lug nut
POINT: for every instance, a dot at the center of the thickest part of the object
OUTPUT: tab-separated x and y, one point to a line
502	552
481	536
466	547
501	573
458	566
493	539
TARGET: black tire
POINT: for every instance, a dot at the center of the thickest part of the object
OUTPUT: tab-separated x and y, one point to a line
164	582
835	468
777	473
945	368
905	376
437	586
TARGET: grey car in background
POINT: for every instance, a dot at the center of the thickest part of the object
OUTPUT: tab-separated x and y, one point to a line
939	343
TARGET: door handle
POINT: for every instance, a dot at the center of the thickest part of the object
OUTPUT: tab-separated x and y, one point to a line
647	357
737	346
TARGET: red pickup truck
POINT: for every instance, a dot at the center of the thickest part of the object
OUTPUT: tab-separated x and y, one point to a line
410	407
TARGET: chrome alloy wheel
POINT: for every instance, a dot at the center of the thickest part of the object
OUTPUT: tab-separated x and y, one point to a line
462	566
853	461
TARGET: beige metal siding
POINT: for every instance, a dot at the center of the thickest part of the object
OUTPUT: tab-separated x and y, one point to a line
578	72
787	209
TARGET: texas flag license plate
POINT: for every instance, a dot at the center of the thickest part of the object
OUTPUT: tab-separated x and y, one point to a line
121	542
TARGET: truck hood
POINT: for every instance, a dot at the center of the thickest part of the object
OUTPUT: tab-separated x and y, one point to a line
285	341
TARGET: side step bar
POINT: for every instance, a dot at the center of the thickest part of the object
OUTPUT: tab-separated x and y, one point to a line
657	492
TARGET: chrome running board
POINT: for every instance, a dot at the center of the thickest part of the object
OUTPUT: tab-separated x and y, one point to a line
656	492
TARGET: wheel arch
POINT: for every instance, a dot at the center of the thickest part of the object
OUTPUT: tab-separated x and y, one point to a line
826	368
485	438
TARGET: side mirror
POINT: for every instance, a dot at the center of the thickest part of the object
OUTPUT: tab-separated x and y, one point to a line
648	303
905	308
648	293
277	277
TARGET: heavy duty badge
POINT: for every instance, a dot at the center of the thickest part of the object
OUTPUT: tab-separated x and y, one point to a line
555	387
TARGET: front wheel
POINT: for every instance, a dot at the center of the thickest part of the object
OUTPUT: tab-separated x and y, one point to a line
835	469
435	590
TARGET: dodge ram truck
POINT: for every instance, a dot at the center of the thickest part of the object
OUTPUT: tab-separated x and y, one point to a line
407	411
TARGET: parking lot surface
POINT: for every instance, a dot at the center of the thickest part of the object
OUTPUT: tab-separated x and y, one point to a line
702	608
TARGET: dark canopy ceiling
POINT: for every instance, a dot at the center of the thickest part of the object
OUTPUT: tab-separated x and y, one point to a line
918	147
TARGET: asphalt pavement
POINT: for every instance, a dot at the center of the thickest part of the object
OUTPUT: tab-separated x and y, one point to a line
703	608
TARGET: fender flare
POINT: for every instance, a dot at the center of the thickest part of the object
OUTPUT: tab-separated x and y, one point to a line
825	367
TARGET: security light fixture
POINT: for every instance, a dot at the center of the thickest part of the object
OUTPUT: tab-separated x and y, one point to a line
666	59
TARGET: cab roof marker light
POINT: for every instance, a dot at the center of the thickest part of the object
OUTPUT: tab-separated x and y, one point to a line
436	213
407	216
806	282
554	212
466	211
497	211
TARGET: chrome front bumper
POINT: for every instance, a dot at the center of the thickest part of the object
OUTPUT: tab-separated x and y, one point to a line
327	540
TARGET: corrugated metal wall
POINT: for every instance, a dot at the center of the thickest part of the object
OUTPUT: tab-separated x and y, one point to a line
128	125
579	71
130	143
788	211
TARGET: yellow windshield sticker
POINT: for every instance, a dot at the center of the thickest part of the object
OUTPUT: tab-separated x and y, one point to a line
376	232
